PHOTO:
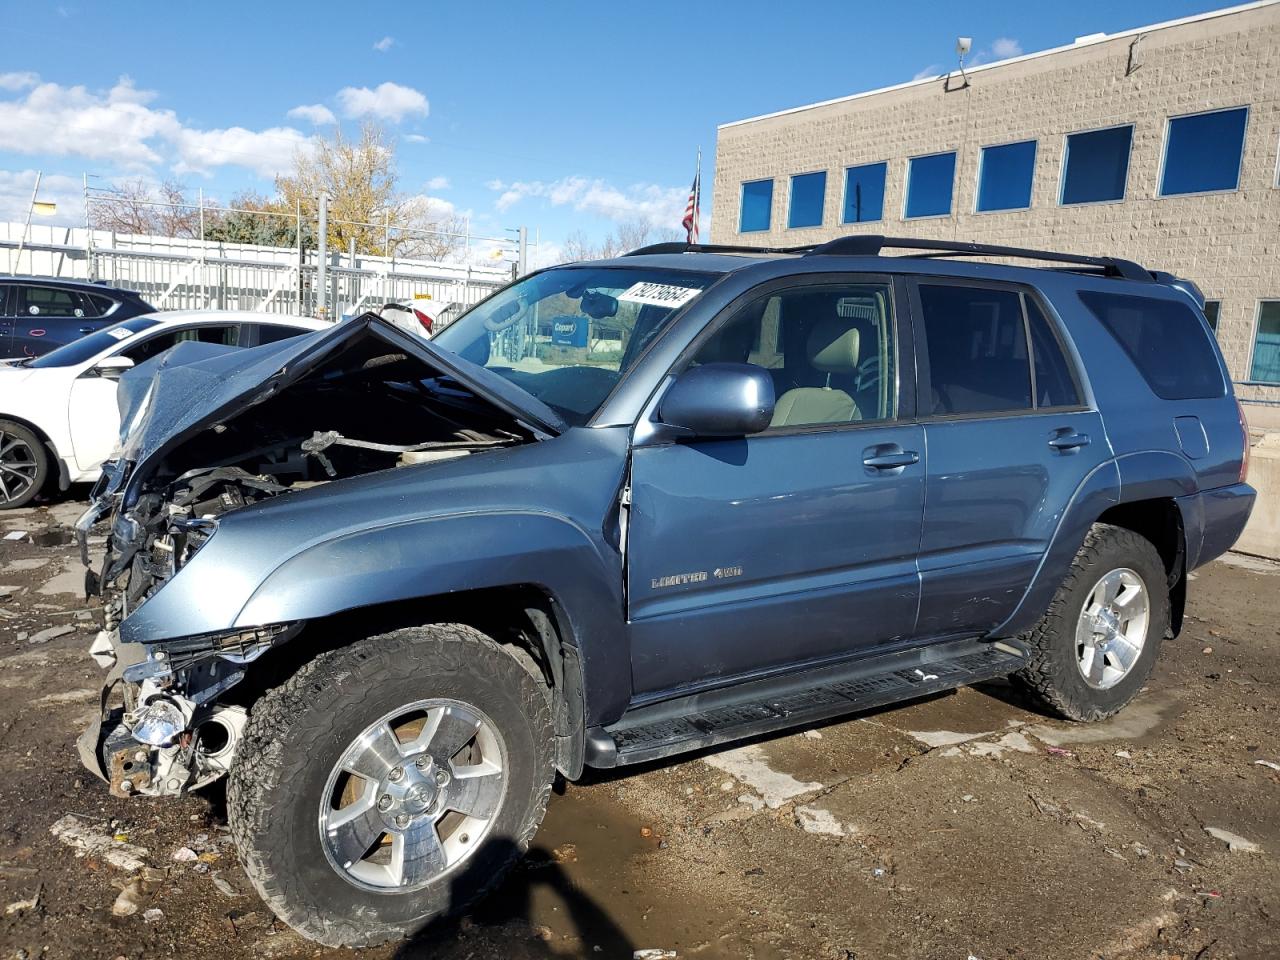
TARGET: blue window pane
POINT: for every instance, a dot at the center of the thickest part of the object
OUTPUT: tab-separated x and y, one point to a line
1203	152
1097	165
864	193
808	193
1266	348
929	182
1005	179
757	203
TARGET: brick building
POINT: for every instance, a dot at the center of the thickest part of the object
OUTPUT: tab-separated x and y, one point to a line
1158	144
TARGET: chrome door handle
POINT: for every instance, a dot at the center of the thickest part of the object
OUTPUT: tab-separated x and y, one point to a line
888	461
1070	441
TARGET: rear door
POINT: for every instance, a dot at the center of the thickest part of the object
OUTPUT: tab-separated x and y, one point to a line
795	545
1010	437
48	317
6	320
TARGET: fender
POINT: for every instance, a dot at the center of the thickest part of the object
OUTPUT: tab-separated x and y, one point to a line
435	557
1128	478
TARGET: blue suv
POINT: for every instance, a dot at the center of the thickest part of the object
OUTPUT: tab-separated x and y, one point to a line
630	508
38	314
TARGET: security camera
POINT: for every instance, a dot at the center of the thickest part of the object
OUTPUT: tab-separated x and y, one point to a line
963	45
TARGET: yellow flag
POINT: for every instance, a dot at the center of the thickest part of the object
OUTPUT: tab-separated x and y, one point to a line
46	208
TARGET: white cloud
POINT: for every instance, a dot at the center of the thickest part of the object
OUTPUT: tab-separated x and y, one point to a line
416	138
657	205
267	152
928	73
438	183
119	126
1005	47
315	113
66	192
386	101
385	44
18	81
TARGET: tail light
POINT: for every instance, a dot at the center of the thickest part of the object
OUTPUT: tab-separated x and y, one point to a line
1244	430
428	323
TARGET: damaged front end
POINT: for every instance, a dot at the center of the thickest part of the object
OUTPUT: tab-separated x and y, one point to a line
211	434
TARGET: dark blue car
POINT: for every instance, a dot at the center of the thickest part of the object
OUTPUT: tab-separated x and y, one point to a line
38	314
630	508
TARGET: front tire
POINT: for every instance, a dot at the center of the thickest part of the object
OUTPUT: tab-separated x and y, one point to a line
391	782
24	465
1096	645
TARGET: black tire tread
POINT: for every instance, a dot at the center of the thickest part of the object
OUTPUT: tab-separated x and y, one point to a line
1039	676
260	760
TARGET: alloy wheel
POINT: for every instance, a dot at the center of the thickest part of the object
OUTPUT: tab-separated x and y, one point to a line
19	467
1112	628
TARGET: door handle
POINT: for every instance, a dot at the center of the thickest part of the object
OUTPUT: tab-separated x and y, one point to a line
889	461
1069	441
84	330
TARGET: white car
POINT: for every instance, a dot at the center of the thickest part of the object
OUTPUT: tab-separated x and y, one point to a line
58	414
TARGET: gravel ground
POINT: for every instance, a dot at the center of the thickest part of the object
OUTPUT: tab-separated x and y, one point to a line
964	826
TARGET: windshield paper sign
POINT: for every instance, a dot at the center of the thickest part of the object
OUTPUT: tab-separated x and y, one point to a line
569	331
659	295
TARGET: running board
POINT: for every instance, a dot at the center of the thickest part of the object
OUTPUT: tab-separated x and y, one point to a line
763	706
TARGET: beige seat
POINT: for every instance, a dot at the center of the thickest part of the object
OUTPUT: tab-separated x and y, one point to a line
832	348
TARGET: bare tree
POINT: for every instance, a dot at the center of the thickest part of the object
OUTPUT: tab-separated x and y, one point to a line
139	207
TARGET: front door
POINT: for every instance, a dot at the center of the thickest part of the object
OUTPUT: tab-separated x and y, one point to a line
794	545
1010	438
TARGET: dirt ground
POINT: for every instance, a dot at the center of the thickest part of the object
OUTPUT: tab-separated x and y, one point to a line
967	826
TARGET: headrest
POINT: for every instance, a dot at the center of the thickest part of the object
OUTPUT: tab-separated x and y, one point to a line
833	346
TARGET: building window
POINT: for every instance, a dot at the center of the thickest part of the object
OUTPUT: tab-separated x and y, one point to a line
1202	152
757	206
1266	344
808	194
1096	165
1004	176
864	193
930	181
1211	308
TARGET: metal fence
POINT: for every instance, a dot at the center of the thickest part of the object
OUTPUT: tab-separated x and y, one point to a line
179	273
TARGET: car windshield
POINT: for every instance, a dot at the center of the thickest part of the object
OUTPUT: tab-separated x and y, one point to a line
567	335
88	347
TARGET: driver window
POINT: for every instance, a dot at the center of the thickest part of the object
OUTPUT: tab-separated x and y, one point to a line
830	350
153	346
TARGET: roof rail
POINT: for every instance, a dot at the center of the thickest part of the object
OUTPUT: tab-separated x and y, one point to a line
679	246
873	244
870	245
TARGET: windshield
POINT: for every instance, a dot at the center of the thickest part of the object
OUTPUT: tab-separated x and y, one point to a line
567	335
88	347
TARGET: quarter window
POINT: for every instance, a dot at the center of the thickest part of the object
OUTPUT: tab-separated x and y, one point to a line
1202	152
1096	166
929	185
757	206
976	346
1005	175
808	194
864	193
1166	341
1266	344
830	350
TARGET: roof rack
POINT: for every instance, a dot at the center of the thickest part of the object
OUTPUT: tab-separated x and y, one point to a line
871	245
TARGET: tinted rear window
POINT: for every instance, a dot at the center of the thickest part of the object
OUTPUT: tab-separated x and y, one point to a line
1166	340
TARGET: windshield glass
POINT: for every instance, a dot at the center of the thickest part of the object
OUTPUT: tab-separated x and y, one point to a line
88	347
567	335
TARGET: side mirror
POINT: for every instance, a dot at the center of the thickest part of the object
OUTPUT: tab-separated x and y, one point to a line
719	400
112	367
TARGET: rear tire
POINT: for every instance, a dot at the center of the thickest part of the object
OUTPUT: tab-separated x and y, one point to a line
24	465
1096	645
290	783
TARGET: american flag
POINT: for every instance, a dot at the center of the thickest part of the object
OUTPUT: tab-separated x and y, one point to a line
694	207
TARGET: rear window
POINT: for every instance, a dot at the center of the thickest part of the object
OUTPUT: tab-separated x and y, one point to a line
1166	340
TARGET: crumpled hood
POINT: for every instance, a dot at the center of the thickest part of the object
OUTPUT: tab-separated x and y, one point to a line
192	385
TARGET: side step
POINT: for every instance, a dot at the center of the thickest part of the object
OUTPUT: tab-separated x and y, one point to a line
762	706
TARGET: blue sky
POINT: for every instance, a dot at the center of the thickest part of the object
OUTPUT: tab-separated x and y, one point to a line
561	116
